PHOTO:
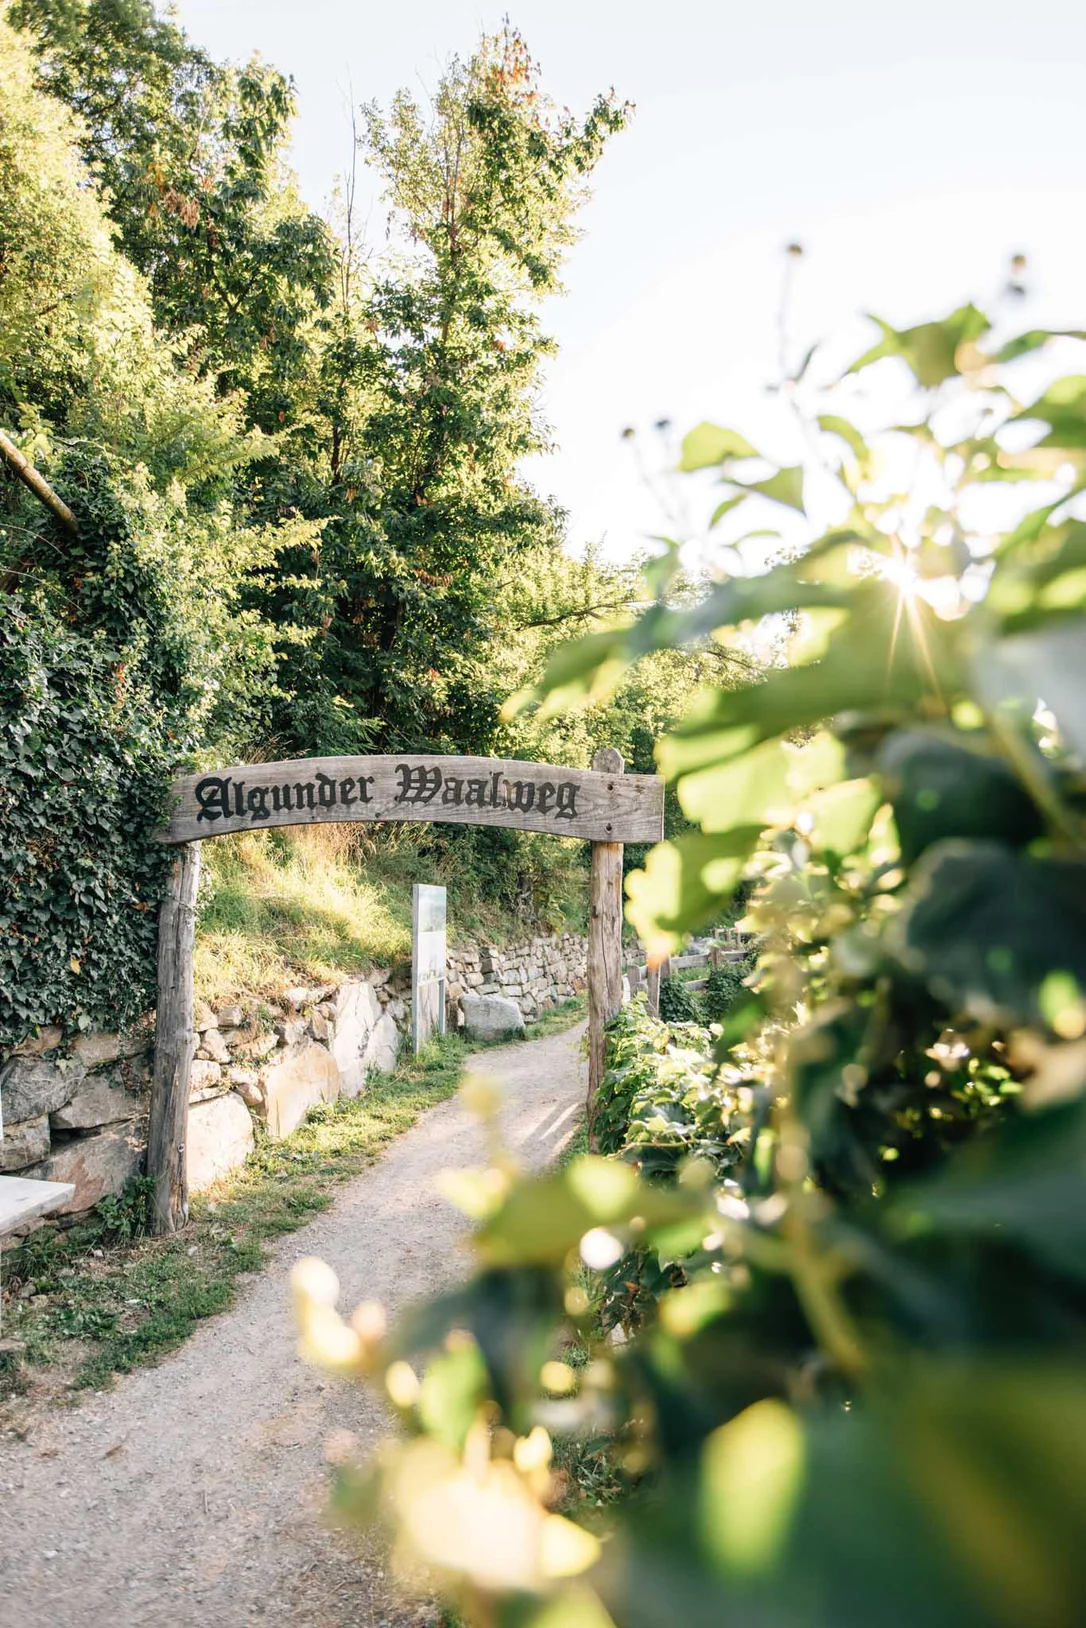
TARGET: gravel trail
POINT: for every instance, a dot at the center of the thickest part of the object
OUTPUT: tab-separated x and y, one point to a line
194	1492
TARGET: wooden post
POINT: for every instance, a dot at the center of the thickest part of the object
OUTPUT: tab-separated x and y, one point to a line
604	942
174	1037
653	981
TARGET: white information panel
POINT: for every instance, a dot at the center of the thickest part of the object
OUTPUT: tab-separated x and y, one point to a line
427	963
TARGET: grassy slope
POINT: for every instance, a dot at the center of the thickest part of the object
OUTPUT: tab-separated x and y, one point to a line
308	905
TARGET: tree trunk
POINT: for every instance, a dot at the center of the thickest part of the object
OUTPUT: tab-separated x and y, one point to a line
174	1044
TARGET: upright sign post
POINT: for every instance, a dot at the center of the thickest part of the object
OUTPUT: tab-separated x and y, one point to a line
601	805
604	940
427	963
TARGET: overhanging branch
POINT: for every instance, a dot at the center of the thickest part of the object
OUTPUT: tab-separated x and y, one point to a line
40	487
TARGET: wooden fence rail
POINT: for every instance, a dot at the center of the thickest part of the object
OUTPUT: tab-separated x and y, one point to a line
649	978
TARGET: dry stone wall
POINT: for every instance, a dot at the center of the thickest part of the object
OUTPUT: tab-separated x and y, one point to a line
535	975
78	1112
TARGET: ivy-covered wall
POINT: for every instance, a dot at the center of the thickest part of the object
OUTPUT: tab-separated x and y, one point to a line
84	771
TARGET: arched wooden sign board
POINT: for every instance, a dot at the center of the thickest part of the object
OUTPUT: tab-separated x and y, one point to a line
601	805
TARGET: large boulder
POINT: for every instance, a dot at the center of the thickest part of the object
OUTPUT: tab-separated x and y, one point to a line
384	1044
220	1138
491	1017
30	1086
24	1143
96	1165
306	1076
358	1014
99	1100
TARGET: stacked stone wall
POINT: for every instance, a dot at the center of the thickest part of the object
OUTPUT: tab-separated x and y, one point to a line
537	974
77	1111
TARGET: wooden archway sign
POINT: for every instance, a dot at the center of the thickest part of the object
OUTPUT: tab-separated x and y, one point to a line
601	805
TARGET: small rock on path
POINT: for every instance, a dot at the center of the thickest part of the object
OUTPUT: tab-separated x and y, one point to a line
194	1492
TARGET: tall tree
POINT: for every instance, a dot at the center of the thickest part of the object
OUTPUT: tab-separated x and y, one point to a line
190	153
483	186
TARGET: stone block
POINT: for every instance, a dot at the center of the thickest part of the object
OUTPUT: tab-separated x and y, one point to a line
96	1165
98	1048
45	1039
24	1143
291	1030
246	1083
203	1017
213	1043
99	1100
204	1072
231	1017
306	1076
319	1026
384	1045
254	1050
30	1086
220	1138
491	1017
358	1013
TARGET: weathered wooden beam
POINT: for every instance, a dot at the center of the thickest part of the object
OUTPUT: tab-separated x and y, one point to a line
174	1044
597	806
24	469
604	939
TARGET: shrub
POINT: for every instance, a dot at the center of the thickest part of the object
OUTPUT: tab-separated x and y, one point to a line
724	990
677	1003
865	1401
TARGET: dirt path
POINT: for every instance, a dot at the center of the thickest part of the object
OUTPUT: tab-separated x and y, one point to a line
192	1493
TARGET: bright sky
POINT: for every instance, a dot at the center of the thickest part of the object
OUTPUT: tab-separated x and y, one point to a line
910	148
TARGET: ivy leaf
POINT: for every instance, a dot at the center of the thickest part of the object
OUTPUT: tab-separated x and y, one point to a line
710	444
846	432
785	486
997	933
1047	663
1063	408
931	349
685	882
941	787
1025	343
1025	1178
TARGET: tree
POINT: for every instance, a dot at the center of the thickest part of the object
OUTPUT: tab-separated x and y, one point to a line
189	152
482	190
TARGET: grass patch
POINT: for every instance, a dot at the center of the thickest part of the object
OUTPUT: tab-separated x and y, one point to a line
111	1300
308	904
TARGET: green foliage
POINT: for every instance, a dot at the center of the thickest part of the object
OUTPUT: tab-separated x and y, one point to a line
189	153
83	777
677	1003
430	509
664	1097
859	1397
302	522
724	990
